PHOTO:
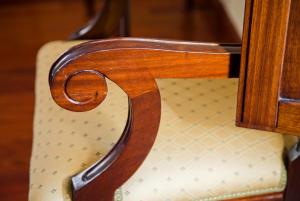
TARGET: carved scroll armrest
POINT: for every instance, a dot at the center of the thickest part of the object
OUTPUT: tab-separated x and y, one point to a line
77	83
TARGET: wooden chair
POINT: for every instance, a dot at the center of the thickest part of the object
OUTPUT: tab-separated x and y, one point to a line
147	87
112	20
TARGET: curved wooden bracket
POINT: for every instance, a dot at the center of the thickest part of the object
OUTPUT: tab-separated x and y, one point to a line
113	18
77	83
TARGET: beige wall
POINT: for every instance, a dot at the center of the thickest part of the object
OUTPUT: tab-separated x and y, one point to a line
235	10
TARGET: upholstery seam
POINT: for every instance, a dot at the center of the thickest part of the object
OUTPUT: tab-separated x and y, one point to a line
279	188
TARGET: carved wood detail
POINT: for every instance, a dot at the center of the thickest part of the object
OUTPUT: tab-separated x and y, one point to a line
77	83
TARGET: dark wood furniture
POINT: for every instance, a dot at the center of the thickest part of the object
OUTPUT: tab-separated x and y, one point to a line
112	20
135	75
268	96
269	86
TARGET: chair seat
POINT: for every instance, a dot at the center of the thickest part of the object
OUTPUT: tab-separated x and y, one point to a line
199	154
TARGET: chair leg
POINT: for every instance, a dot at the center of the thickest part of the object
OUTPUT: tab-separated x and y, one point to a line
125	21
106	23
90	7
292	192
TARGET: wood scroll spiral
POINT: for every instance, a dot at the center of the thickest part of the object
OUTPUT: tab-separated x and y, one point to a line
77	82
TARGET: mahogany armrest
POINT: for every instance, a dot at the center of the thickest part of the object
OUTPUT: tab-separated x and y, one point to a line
77	83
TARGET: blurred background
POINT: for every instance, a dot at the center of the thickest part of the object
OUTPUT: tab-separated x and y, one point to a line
28	24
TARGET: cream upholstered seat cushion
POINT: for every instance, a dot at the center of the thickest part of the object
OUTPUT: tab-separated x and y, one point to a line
199	154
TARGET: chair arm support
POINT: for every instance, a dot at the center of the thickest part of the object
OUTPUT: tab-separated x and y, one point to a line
77	83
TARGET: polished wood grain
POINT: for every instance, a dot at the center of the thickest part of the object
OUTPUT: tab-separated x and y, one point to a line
244	59
290	85
262	62
268	97
262	16
79	70
79	90
289	105
289	117
112	20
99	181
262	59
28	27
119	24
175	59
269	88
31	24
89	190
206	18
